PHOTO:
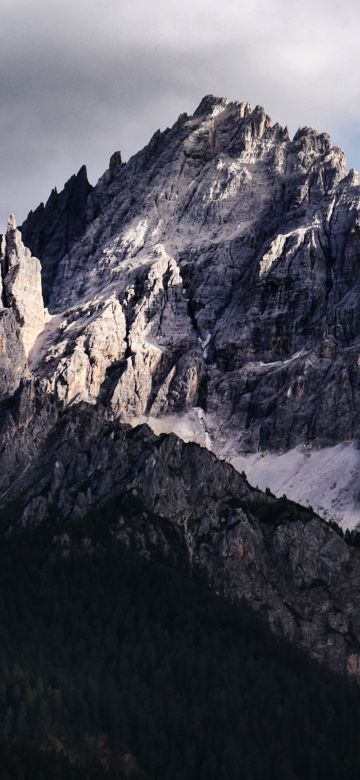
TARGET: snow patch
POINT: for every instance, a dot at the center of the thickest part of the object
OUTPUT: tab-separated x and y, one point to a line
275	363
328	479
202	420
205	345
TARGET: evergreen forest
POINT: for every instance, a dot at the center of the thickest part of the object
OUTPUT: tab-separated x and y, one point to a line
114	666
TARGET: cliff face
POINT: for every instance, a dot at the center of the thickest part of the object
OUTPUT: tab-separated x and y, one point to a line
22	314
228	253
22	288
51	230
12	354
177	501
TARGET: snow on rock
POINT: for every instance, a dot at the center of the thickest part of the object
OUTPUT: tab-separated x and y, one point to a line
205	345
327	479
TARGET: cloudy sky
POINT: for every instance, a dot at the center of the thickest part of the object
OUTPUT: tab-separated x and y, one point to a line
81	78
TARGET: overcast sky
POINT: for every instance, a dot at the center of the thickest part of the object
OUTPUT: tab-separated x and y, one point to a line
82	78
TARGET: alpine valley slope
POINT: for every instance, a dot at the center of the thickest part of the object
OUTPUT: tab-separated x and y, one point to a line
210	286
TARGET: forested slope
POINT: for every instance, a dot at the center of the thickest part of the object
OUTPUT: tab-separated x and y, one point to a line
106	655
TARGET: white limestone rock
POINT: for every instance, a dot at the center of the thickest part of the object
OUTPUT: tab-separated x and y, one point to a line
21	285
82	350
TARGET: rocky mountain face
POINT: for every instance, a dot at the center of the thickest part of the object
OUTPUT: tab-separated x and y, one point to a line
178	502
209	287
12	355
213	290
22	313
52	229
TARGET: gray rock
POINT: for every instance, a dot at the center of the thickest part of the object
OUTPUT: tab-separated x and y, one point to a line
51	230
216	274
12	355
21	285
178	501
264	234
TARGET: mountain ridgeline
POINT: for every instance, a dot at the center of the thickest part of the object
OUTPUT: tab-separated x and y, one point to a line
210	286
178	503
51	230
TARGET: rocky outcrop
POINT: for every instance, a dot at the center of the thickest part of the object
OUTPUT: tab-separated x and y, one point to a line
98	344
12	354
164	366
26	419
21	285
51	230
177	501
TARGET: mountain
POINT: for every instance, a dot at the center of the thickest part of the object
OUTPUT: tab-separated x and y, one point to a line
210	286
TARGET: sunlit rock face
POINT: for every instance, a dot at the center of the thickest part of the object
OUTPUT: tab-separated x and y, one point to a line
22	314
21	285
228	254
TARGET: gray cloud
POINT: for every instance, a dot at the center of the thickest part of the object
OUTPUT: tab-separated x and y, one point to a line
79	80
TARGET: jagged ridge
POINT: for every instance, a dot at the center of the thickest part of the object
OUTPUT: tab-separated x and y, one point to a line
224	256
165	498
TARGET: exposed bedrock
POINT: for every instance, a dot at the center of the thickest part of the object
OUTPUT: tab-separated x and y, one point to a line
224	259
165	498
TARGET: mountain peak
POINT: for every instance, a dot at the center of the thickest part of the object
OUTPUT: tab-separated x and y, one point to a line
11	223
51	230
208	103
215	271
115	161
